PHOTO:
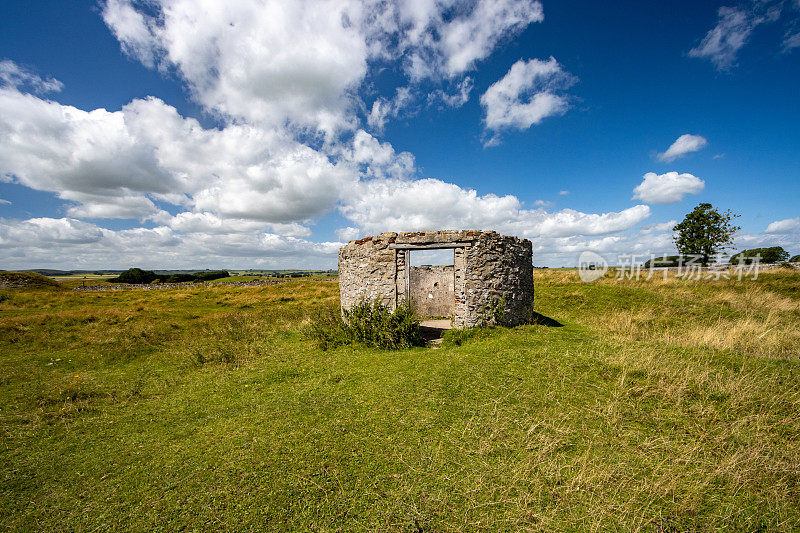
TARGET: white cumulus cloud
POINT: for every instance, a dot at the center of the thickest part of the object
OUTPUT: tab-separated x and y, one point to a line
118	164
272	61
85	157
383	108
132	29
789	225
683	145
261	61
70	243
526	95
446	38
378	159
468	39
48	232
409	205
668	188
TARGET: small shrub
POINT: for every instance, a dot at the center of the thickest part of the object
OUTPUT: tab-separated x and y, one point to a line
327	330
370	324
794	259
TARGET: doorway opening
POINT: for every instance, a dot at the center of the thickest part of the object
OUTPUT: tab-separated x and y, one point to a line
431	283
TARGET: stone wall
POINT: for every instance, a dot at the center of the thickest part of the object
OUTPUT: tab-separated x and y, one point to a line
499	280
431	290
492	274
368	271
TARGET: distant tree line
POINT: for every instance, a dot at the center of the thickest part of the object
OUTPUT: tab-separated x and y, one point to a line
773	254
137	276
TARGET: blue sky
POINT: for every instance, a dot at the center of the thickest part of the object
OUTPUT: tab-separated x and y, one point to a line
181	134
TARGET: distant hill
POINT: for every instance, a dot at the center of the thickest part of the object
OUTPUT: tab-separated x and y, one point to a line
52	272
26	280
166	272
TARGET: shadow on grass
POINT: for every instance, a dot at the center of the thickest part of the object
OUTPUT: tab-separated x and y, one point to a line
433	330
541	320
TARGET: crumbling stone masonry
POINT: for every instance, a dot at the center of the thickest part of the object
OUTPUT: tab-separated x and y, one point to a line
491	276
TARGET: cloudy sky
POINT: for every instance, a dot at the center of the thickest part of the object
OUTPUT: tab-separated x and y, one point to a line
265	133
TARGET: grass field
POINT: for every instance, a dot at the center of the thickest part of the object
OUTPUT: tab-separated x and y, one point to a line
658	406
102	279
86	277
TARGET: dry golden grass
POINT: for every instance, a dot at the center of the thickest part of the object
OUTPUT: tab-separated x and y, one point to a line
746	316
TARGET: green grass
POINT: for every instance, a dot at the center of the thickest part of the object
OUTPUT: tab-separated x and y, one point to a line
234	277
27	280
659	406
87	277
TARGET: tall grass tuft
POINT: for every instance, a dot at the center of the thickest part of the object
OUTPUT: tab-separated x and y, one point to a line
371	324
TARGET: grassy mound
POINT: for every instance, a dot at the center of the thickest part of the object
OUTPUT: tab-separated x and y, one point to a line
26	280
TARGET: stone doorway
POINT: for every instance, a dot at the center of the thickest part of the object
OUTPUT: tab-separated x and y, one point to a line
431	283
435	291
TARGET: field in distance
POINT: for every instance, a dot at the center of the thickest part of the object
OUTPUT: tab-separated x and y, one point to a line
661	405
101	276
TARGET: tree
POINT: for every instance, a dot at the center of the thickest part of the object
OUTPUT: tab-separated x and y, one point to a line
663	261
775	254
705	232
135	276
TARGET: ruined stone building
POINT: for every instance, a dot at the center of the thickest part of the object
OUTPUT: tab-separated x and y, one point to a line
489	282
